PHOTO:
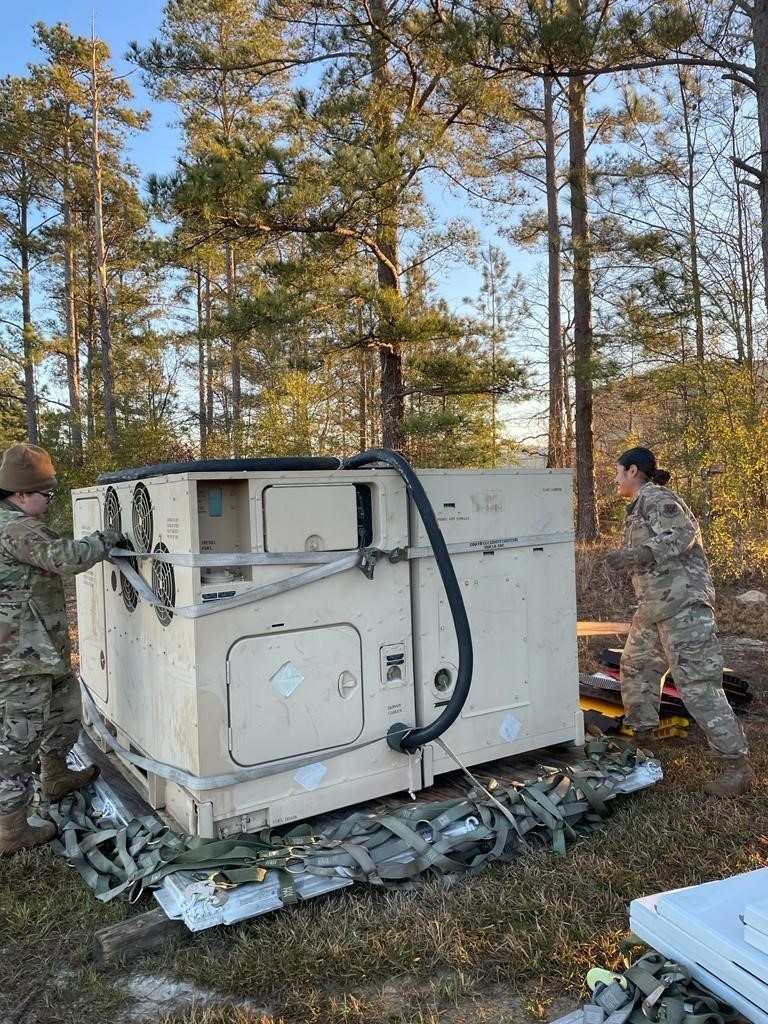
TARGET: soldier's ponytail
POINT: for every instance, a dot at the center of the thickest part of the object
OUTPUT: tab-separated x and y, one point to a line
645	461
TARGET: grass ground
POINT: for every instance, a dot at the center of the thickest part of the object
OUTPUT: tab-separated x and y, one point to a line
511	945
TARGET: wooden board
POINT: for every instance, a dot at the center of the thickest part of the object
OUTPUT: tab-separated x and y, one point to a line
601	628
136	935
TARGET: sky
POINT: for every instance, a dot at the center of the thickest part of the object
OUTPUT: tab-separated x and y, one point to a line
154	151
118	24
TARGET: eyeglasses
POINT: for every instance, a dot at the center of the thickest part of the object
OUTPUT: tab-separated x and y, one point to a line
48	495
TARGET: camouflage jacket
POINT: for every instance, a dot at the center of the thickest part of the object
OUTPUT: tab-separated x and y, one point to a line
679	576
34	638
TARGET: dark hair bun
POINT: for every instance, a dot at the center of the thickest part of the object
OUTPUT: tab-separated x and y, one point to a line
643	458
661	476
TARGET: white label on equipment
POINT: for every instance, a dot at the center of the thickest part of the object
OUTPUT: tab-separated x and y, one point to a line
287	679
311	775
510	728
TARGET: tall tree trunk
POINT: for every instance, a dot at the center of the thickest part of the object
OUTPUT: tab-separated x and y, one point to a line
235	358
90	359
742	319
747	346
586	518
362	402
568	410
27	330
201	362
693	240
72	353
391	363
207	317
387	239
758	14
105	325
556	454
71	357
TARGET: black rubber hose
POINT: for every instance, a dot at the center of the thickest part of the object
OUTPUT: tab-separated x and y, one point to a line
400	736
263	465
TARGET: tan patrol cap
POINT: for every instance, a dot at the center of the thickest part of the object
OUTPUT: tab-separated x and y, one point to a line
27	468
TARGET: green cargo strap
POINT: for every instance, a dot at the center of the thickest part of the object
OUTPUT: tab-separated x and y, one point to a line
663	990
123	860
394	848
622	752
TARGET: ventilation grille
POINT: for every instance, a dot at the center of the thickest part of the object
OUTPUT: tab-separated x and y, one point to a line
128	591
164	586
112	518
142	518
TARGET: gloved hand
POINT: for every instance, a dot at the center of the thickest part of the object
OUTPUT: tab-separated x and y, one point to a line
111	538
627	559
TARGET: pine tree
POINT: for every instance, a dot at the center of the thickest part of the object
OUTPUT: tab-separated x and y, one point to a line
21	184
340	180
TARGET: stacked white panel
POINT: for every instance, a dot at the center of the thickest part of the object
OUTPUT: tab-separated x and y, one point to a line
521	605
702	927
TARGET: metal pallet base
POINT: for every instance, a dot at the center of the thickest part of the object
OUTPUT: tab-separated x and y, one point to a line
184	899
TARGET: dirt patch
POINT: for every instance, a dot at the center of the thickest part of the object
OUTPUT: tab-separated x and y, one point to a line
152	996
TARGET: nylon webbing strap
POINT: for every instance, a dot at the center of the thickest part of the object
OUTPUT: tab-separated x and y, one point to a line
495	544
197	611
202	783
191	560
219	560
124	860
448	839
325	564
658	989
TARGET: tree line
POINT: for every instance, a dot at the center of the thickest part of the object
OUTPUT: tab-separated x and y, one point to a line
281	290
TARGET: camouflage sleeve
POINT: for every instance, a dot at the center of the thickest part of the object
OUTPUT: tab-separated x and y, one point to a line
673	531
29	541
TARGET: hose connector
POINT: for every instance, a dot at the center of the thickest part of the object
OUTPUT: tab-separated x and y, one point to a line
395	736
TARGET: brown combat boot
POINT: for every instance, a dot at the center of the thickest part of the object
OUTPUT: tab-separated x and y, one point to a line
17	834
736	778
59	779
645	739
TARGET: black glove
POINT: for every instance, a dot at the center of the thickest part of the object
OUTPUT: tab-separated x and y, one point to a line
627	559
112	539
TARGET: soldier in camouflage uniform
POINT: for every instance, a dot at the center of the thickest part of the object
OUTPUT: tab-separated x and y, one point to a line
674	625
39	695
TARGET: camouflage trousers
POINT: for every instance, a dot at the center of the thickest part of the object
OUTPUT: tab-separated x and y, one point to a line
687	644
38	714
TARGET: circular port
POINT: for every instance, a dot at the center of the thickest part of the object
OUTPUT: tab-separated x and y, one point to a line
443	680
